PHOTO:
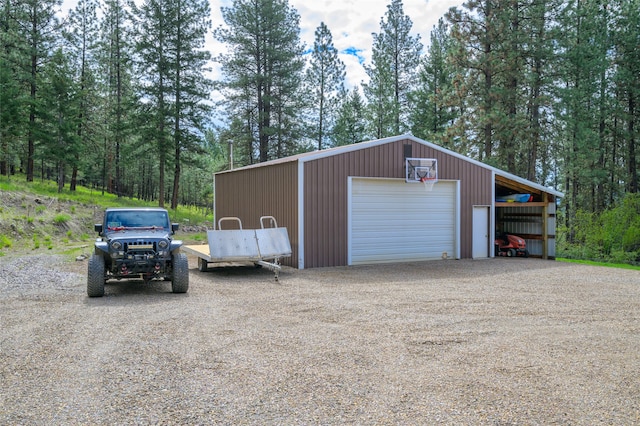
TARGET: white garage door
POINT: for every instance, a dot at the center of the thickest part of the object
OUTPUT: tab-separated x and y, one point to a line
391	220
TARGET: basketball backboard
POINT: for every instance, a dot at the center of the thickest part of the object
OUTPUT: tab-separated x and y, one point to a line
421	170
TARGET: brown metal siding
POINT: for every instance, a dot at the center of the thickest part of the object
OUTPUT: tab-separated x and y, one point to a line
326	197
262	191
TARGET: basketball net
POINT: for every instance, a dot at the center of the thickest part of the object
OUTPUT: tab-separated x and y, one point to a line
428	182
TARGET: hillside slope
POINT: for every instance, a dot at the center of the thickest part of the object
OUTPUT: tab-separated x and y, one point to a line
30	221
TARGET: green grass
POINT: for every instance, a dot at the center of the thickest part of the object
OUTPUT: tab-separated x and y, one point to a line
5	242
61	219
590	262
195	238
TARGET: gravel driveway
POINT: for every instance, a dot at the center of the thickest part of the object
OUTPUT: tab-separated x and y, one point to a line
501	341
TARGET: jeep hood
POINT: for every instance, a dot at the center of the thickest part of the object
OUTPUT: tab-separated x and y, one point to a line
138	234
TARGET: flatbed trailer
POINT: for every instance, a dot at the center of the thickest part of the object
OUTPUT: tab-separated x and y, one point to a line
264	246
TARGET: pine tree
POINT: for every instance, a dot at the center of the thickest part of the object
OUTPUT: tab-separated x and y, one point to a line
477	32
155	82
325	77
583	50
395	57
172	63
115	71
627	80
510	117
60	115
381	111
81	32
12	103
191	86
38	25
13	99
431	115
262	75
538	139
350	124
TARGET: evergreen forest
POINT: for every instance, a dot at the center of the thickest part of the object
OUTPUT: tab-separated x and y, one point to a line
119	96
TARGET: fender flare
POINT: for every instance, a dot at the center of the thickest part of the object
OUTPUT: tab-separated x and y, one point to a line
101	246
175	245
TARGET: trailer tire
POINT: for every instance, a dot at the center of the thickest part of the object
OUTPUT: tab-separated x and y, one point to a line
95	276
180	275
203	265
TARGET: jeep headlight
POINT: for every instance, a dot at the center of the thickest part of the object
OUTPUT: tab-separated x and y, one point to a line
116	245
163	244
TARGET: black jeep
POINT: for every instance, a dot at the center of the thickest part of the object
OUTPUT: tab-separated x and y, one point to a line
137	243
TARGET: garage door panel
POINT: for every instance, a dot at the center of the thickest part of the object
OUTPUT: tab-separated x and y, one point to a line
394	221
408	234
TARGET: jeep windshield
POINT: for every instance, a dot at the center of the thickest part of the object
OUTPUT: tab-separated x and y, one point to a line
126	220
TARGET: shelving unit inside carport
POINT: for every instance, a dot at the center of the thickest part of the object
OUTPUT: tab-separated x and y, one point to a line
531	216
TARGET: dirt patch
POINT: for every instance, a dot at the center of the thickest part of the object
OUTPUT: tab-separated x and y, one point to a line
501	341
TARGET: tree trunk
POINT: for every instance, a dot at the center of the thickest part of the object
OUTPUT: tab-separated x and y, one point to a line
633	170
32	109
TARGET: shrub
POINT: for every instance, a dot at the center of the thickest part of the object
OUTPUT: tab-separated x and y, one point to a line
631	238
612	235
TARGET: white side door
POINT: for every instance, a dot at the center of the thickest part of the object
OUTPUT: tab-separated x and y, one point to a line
480	232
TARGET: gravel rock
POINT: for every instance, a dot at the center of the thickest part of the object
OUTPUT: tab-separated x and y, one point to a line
500	341
35	276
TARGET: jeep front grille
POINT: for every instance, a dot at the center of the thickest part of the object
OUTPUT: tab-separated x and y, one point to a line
140	246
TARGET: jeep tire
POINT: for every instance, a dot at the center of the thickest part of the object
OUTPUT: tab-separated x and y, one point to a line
180	277
95	276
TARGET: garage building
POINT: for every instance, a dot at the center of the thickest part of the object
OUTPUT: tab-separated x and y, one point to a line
365	203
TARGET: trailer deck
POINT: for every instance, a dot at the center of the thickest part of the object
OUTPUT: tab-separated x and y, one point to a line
264	246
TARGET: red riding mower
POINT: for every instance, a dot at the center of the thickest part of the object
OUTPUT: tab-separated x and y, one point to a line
510	245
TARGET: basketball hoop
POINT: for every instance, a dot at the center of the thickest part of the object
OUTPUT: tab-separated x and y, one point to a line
428	182
422	170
